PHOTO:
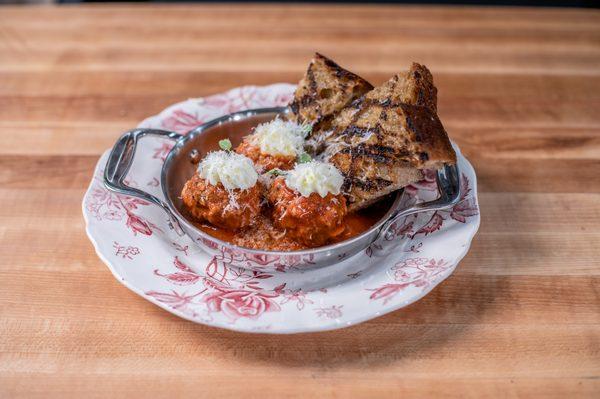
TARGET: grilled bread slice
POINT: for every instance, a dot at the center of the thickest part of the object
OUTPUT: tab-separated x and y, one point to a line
324	90
381	141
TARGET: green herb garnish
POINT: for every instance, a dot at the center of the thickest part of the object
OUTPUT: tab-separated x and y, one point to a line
225	144
304	158
306	129
276	172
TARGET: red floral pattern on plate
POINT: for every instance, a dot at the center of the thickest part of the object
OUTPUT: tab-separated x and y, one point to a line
236	303
416	272
181	121
126	252
331	312
104	204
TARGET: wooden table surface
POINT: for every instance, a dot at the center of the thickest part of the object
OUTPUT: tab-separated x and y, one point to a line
519	90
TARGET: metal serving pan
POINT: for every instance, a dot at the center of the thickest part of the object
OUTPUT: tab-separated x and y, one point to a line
177	169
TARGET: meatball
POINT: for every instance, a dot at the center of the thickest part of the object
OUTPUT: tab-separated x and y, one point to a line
312	220
229	209
265	161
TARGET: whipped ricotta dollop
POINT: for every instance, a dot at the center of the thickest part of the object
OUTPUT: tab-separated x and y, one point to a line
232	170
315	177
279	137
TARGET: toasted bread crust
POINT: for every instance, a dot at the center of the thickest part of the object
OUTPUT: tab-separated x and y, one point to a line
414	87
324	90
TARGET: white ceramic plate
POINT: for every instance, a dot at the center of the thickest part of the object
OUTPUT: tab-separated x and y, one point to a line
135	241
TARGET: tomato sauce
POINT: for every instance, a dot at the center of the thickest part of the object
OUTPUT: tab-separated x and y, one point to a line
263	235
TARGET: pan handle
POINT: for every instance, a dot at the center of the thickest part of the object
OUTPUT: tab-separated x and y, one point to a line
120	160
448	183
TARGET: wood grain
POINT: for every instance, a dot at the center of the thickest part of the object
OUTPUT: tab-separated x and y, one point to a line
519	91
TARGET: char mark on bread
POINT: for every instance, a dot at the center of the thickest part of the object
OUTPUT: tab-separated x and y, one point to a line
324	90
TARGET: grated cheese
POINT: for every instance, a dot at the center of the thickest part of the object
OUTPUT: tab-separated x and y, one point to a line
279	137
315	177
233	171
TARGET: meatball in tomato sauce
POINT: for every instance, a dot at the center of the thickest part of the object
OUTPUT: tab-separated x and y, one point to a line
224	191
264	161
307	203
275	144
